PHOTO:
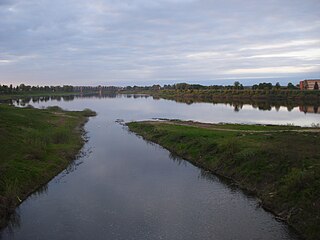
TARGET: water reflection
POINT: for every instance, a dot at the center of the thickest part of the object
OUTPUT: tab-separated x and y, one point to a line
125	188
310	109
41	190
237	105
177	159
13	223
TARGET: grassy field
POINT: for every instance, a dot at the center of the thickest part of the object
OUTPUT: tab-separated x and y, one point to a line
35	145
279	164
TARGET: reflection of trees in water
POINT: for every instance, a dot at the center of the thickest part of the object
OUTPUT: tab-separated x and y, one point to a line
204	174
35	100
41	190
310	109
290	108
236	104
177	159
264	106
14	219
231	185
58	98
315	109
24	101
260	104
41	99
68	98
14	222
73	166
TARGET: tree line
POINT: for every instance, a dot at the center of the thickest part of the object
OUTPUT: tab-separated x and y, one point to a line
237	85
22	88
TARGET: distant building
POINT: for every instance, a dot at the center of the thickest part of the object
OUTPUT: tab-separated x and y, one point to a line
313	84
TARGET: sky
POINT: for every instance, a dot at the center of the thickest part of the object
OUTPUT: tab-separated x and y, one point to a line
145	42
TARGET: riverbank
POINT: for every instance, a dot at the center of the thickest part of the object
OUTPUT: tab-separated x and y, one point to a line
274	96
279	164
35	145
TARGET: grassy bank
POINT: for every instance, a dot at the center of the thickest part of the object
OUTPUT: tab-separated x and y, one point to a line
35	145
279	164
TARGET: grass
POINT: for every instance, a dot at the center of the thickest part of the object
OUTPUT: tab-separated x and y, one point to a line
281	167
35	145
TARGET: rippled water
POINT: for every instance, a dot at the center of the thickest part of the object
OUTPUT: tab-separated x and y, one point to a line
122	187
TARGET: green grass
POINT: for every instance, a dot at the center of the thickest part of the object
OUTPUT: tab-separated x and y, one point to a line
243	127
35	145
281	168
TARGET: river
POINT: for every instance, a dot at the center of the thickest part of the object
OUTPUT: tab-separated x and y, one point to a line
122	187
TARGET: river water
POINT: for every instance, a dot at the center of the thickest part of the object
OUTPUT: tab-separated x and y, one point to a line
122	187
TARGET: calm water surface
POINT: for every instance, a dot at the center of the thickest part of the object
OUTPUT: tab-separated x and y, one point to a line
122	187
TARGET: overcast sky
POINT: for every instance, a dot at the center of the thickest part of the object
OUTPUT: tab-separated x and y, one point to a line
122	42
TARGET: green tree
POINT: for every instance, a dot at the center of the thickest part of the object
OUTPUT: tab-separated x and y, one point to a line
236	84
291	86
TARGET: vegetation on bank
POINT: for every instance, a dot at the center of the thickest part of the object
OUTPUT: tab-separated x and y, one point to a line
272	95
35	145
26	89
179	92
279	164
236	86
8	92
219	95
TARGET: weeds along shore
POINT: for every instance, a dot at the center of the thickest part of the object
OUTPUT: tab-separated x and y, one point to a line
35	145
278	164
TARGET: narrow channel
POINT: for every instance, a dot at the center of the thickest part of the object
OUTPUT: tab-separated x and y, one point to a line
122	187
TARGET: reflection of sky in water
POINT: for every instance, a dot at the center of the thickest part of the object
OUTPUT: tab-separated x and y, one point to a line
145	108
126	188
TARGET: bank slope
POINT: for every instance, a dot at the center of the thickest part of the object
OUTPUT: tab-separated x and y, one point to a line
35	145
280	164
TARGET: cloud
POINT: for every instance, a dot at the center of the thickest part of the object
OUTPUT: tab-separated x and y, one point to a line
283	69
140	41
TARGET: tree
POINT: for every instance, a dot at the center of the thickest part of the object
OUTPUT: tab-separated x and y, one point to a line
277	86
255	86
22	87
291	86
316	86
236	84
180	86
156	87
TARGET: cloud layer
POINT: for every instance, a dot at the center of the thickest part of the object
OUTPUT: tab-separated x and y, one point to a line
145	42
